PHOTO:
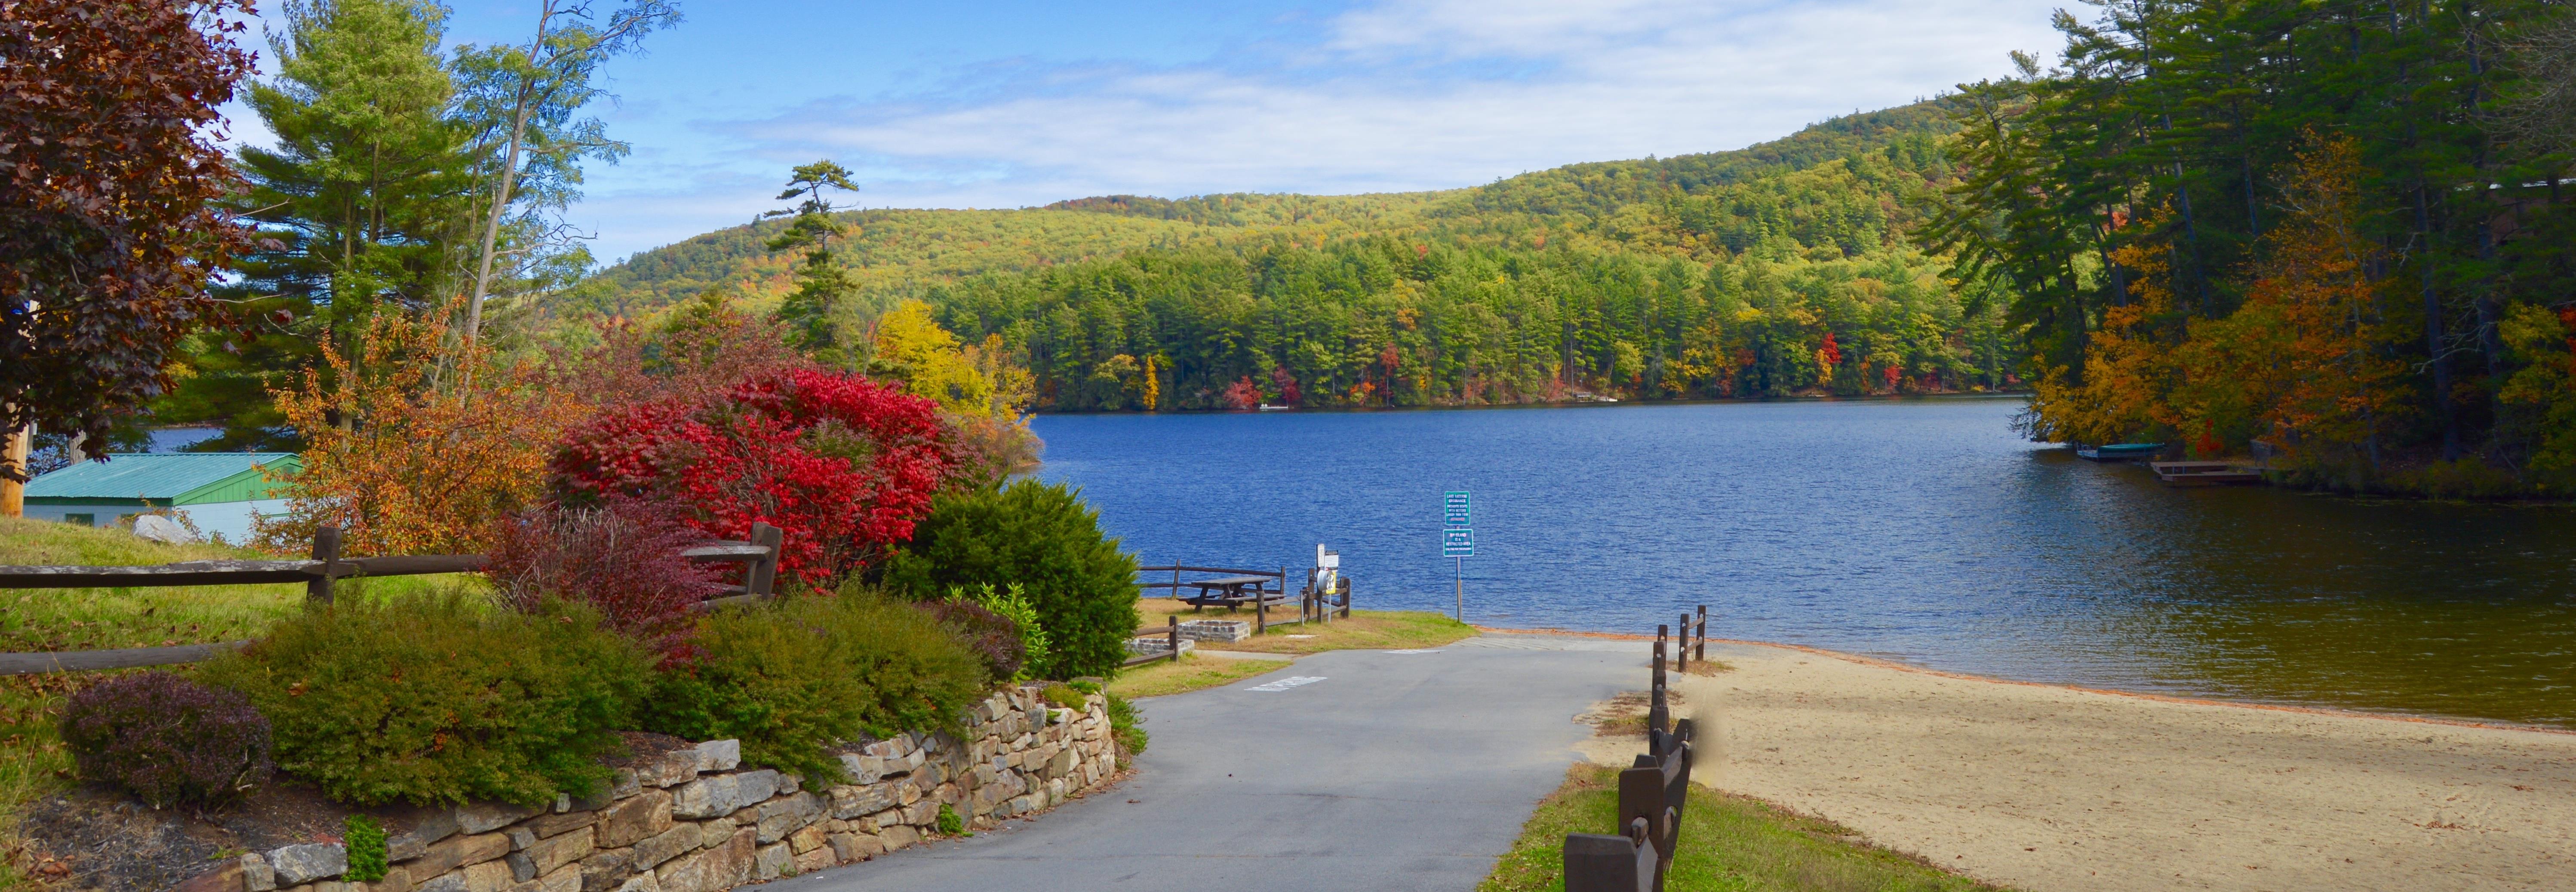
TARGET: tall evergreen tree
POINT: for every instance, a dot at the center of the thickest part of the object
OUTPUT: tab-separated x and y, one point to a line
360	205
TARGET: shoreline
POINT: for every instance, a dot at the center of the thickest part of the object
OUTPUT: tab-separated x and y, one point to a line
1882	663
1565	404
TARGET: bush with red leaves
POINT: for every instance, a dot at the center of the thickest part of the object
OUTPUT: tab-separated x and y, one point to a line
842	465
621	557
170	740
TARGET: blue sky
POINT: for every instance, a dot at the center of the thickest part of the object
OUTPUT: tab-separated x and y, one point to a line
1016	104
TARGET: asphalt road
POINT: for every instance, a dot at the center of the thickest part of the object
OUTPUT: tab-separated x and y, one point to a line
1392	771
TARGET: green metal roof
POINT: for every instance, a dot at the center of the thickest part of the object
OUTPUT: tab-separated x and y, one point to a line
180	478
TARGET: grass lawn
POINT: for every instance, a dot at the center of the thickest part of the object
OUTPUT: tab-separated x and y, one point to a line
1727	843
1364	630
32	760
1191	673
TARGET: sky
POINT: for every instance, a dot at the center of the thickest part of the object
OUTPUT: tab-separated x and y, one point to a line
983	105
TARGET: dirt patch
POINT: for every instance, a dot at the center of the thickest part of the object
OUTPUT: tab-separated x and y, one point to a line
96	837
1624	715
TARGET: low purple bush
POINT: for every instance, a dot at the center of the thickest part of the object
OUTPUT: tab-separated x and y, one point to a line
991	636
169	740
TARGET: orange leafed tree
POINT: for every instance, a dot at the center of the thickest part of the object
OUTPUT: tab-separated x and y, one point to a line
2129	367
2304	357
405	455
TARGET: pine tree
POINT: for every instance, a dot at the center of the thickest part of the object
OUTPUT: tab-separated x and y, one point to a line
813	313
361	204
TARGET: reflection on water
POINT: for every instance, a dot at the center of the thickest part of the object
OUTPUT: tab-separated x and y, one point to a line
1918	530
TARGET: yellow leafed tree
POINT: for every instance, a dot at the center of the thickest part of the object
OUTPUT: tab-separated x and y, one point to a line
966	379
979	389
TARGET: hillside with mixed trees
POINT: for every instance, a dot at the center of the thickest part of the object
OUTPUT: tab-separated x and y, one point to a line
1777	269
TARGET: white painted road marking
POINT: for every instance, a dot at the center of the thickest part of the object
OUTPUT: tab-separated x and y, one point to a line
1286	683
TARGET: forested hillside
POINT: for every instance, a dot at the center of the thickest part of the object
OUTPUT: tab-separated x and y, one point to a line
1776	269
898	253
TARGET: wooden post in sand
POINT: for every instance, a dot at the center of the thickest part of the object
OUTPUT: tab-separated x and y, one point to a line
1702	656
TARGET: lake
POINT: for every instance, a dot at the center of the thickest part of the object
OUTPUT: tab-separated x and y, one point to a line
1922	531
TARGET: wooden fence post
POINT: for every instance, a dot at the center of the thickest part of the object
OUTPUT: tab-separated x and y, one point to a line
1599	863
1658	716
1172	633
1681	661
761	577
326	548
1703	633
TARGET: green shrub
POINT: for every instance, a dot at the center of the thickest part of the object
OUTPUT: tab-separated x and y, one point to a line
791	679
441	698
1040	536
950	823
1064	695
364	839
1012	603
1124	725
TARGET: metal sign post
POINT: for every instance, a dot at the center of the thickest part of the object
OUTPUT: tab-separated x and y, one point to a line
1457	541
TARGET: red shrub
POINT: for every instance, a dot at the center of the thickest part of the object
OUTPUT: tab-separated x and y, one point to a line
1243	394
842	465
621	557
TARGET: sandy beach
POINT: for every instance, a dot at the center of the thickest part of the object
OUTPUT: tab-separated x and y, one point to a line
2050	788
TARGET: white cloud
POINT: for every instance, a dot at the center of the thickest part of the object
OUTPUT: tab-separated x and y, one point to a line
1406	94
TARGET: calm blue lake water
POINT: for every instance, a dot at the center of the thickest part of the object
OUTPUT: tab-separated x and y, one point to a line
1921	531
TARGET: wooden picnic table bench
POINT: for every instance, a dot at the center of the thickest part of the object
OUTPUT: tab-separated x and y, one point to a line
1234	591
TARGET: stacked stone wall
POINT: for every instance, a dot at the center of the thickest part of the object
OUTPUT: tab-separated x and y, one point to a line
695	820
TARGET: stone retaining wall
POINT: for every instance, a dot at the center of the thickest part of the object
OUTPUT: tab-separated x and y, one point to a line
693	820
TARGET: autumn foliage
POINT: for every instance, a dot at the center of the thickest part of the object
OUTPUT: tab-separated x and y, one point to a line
623	557
418	443
840	464
2299	366
109	187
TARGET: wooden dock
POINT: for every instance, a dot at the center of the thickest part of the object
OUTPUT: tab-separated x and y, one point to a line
2205	473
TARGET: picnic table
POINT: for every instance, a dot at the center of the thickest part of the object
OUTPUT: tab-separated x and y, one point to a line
1233	591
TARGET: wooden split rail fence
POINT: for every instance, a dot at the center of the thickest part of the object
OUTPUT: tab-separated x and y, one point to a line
760	554
1652	795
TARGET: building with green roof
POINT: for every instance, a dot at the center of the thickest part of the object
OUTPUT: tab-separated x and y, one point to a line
220	492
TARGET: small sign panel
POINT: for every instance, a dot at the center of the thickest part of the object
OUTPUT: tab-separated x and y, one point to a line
1453	509
1459	542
